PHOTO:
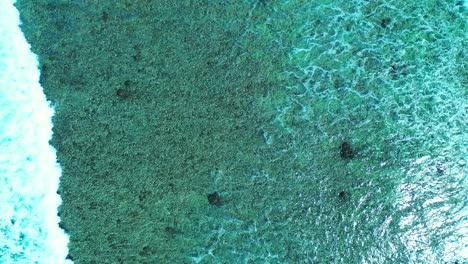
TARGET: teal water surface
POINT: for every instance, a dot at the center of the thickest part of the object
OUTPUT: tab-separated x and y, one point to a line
258	131
368	137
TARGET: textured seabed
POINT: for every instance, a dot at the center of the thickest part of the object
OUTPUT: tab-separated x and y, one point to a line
332	132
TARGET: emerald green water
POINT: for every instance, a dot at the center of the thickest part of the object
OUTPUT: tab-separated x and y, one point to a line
252	100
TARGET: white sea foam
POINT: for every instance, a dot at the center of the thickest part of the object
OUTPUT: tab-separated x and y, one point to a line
29	172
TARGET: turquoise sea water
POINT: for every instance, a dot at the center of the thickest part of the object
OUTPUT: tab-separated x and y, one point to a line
261	131
390	79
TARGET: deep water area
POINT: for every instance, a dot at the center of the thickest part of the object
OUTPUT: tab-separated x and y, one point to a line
258	131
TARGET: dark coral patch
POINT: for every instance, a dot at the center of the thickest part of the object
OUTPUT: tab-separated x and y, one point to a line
343	195
385	22
214	199
346	151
